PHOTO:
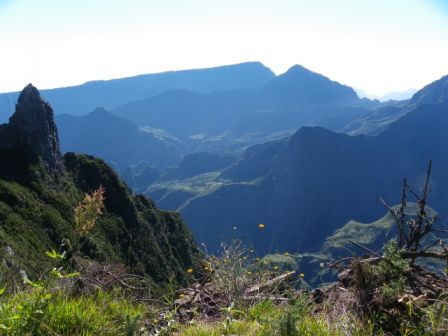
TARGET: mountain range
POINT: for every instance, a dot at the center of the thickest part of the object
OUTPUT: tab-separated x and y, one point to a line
304	187
223	110
299	153
221	121
82	99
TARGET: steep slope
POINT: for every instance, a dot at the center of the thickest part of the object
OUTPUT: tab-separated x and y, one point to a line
116	140
307	187
81	99
39	190
434	93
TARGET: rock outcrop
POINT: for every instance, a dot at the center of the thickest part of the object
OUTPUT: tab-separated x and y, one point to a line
30	137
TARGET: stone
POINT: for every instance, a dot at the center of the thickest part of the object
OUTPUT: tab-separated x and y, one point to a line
31	136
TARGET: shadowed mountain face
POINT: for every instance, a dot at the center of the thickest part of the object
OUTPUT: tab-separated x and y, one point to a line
39	190
115	140
81	99
305	188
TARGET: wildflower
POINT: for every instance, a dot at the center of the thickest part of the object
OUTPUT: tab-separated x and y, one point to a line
251	251
249	273
261	226
181	296
190	270
275	267
286	254
302	275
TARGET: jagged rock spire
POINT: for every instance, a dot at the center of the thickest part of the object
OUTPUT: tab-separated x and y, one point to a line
33	127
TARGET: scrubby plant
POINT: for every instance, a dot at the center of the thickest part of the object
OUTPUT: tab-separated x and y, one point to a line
88	210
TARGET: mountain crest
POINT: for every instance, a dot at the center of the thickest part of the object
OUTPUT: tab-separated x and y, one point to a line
433	93
302	87
32	132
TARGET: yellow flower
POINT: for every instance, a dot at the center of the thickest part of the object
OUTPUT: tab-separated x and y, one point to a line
286	254
181	296
261	226
190	270
276	267
302	275
249	272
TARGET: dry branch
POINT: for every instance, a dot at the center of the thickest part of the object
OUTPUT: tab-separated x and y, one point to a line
269	284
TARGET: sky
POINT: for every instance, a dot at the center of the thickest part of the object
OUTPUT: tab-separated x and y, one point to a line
376	46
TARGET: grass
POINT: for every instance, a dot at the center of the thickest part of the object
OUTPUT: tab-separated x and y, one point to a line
57	313
266	319
368	234
52	309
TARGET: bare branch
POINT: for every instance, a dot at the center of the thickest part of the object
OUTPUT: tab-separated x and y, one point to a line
424	254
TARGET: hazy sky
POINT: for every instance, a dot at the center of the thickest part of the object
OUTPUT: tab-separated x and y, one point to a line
373	45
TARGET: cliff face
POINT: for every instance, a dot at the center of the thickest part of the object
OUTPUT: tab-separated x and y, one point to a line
35	215
34	129
30	139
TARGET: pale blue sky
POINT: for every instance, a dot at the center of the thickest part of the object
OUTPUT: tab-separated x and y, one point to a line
374	45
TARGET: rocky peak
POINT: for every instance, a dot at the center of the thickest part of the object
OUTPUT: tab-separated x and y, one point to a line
33	131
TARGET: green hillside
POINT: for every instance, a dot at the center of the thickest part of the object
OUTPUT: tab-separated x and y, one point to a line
39	190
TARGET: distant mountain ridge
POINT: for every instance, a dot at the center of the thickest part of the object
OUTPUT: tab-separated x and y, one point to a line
82	99
296	98
301	87
116	140
433	93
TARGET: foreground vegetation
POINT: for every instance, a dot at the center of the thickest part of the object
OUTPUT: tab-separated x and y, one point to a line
237	293
102	314
61	303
